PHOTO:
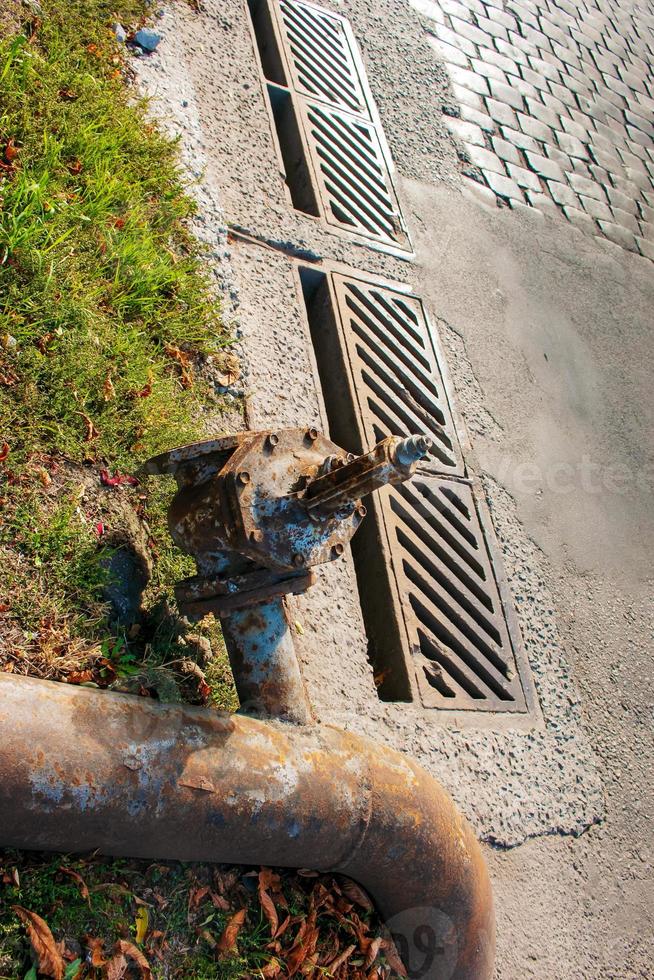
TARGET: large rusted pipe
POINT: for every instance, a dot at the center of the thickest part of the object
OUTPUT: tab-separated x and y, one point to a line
82	770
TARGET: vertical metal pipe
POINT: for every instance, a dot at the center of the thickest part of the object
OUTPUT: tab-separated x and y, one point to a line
264	662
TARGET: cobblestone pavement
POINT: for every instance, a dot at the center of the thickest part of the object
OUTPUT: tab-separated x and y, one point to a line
554	107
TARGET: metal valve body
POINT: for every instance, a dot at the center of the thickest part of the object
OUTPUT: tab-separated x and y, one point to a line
257	510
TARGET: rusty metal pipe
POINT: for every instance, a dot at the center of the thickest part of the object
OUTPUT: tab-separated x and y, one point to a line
264	663
82	769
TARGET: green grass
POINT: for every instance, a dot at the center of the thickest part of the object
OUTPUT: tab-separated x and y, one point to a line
105	311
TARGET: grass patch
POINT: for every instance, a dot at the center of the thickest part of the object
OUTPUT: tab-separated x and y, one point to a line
108	329
176	915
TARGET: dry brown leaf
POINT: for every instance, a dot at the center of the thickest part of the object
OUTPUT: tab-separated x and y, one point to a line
91	431
230	933
272	968
81	884
115	968
219	902
108	388
4	451
341	958
266	901
393	957
356	894
48	957
130	951
373	950
196	895
96	949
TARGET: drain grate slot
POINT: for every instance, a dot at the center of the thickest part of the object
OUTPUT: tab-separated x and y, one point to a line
330	122
437	613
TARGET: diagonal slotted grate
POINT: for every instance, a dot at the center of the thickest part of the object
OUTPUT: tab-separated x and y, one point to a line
321	56
436	606
352	173
397	380
462	651
335	158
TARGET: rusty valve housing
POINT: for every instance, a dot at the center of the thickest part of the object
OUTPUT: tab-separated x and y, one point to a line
258	509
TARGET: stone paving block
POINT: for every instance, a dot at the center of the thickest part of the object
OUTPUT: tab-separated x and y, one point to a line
506	151
520	42
466	97
526	89
502	113
597	209
448	36
494	58
542	114
575	129
488	70
580	219
466	131
582	185
480	119
467	79
639	177
484	159
635	119
544	69
471	33
511	51
535	129
503	186
571	145
523	177
554	104
492	28
638	136
563	94
645	247
627	220
619	200
579	167
621	236
449	54
563	194
559	157
542	202
521	140
544	167
647	230
504	93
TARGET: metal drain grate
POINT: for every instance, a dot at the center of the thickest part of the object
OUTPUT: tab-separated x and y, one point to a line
437	612
326	124
396	377
322	60
457	633
351	170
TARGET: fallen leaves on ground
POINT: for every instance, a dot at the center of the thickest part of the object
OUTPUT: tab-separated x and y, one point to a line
46	952
227	941
117	967
79	881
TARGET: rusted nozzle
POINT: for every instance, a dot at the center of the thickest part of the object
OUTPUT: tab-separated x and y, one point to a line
412	450
391	461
